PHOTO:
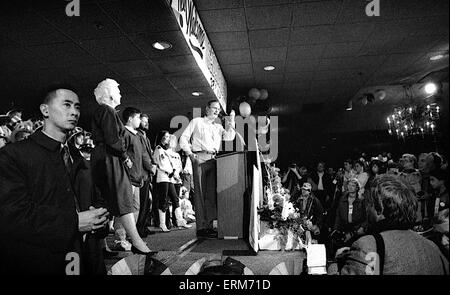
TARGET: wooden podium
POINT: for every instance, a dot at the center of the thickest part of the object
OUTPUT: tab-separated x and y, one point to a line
232	184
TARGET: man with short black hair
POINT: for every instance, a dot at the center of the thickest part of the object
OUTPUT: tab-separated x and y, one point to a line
39	214
134	149
149	170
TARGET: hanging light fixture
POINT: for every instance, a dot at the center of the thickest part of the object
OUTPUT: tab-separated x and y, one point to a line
413	119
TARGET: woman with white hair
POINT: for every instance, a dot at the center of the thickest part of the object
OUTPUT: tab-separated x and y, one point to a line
109	160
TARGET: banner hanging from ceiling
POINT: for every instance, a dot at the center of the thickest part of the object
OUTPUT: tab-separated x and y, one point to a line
195	35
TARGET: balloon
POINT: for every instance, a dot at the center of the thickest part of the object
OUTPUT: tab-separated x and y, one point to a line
381	94
364	100
254	93
264	94
244	109
251	101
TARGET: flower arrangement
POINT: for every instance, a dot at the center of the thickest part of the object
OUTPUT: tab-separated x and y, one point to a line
282	214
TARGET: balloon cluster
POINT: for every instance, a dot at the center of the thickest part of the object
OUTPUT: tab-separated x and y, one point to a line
254	94
258	94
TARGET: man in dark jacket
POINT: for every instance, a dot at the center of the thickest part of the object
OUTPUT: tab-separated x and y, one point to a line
324	185
148	172
39	220
92	242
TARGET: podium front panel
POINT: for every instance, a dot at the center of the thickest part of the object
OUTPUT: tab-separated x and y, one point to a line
231	180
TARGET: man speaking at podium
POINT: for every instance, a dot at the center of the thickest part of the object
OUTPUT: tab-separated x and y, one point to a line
201	141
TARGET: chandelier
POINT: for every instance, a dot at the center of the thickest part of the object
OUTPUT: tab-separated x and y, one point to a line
413	119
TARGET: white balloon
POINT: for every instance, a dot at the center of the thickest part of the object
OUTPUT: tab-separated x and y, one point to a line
264	94
364	100
381	94
254	93
244	109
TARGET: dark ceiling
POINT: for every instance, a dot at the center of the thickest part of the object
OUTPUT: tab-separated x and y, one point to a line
324	52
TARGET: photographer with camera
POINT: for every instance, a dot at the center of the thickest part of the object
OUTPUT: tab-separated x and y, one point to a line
294	178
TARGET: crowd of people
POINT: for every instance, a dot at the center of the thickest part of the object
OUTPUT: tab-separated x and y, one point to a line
64	189
343	202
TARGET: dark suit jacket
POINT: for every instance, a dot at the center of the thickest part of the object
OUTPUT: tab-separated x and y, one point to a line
359	215
92	261
147	153
326	181
38	218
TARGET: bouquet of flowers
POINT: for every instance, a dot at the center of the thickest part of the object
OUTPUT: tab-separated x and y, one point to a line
281	214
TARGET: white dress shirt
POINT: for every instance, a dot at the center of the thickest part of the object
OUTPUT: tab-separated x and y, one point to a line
203	135
320	184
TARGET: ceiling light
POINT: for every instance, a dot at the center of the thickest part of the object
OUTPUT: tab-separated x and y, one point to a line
349	106
197	93
269	68
412	120
437	57
162	45
430	88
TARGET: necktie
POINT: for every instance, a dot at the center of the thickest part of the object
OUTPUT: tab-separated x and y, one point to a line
65	154
66	158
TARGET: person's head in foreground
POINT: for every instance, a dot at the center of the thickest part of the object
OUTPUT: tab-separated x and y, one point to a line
400	251
392	202
61	111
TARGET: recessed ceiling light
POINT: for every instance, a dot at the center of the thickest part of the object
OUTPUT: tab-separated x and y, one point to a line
99	25
269	68
162	45
197	93
349	106
437	57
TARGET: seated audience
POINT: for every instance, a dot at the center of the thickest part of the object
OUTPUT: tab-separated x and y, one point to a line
392	248
351	217
311	208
